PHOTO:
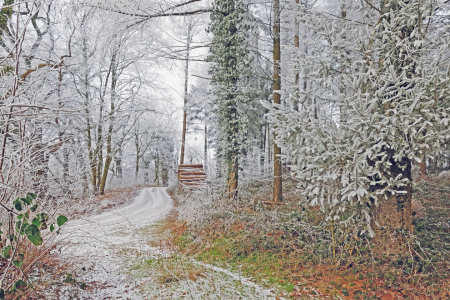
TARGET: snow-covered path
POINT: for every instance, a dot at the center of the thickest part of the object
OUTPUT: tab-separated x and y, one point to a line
150	206
111	254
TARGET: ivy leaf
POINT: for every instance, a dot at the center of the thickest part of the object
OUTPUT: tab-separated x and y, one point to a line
61	220
19	285
21	227
5	252
33	208
34	235
18	204
43	217
36	222
18	263
27	200
31	195
2	294
52	227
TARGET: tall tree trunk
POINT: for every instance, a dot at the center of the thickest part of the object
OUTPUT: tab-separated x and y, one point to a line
146	174
262	154
99	146
297	46
164	171
109	153
65	150
423	166
99	150
392	217
91	152
269	154
138	153
277	172
156	168
186	86
233	168
118	159
205	162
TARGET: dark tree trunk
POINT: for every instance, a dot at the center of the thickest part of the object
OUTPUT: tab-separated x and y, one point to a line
392	217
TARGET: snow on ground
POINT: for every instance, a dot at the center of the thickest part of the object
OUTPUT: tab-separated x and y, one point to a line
113	259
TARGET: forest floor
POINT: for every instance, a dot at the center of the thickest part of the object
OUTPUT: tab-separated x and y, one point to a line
123	253
275	254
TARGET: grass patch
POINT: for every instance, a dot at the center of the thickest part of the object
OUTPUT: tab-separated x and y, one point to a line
291	246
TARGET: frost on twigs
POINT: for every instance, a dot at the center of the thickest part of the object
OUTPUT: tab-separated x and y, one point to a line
375	100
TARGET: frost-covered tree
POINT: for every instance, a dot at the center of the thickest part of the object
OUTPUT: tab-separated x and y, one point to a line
230	58
379	78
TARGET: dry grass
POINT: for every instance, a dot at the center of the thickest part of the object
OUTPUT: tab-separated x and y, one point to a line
290	245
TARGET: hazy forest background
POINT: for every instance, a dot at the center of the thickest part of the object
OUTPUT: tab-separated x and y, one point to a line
322	126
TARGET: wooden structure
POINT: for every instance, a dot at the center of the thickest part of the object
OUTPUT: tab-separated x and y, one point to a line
192	177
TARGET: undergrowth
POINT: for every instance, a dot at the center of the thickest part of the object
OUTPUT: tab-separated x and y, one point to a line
292	245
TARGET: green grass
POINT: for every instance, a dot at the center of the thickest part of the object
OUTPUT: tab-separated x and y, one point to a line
263	266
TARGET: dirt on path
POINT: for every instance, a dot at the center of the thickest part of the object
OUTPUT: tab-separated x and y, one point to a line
112	257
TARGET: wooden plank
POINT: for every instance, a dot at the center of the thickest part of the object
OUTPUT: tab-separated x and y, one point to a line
195	183
192	174
190	166
192	177
200	177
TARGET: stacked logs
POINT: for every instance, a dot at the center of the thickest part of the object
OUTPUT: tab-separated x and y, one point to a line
192	177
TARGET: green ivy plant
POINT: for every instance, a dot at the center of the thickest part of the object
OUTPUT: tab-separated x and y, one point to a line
29	224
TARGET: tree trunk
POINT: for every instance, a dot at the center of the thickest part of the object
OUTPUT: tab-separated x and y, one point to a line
146	175
111	124
277	172
269	156
186	82
164	171
423	165
205	162
118	159
138	154
262	150
393	214
233	168
297	46
156	169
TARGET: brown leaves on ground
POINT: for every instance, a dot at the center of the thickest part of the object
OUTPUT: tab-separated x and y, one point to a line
358	278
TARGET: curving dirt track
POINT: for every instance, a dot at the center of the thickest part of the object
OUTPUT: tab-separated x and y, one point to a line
110	253
96	247
151	205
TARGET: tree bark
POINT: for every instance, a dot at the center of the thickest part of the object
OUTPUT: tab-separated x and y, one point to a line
392	217
118	159
205	164
423	165
297	46
164	171
277	168
156	168
186	82
233	168
111	124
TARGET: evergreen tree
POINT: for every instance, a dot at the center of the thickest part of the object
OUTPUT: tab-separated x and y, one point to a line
230	55
376	110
